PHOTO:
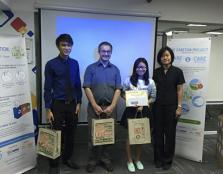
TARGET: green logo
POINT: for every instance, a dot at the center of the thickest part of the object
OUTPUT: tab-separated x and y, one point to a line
18	52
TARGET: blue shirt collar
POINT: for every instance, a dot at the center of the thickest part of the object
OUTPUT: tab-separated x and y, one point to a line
100	64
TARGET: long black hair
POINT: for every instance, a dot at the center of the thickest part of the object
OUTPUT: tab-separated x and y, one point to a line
134	76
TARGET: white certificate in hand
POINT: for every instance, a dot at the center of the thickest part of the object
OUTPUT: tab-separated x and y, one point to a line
136	98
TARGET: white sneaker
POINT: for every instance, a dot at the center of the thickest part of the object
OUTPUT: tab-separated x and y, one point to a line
139	165
131	167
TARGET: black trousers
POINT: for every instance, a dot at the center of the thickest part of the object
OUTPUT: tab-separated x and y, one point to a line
165	122
65	120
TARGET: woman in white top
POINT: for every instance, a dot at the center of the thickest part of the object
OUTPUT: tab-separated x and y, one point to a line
139	80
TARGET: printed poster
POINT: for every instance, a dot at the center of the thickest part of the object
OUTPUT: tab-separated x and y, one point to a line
17	144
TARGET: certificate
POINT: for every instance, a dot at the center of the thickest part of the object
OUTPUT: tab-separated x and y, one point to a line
136	98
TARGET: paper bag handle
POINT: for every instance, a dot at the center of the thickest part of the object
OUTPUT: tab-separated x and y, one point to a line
51	126
103	114
137	113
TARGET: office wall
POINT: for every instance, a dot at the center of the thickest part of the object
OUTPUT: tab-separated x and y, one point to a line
215	82
209	11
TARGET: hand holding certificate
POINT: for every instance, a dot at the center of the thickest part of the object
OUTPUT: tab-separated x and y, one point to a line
136	98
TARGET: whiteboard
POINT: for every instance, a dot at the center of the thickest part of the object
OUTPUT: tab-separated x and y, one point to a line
131	37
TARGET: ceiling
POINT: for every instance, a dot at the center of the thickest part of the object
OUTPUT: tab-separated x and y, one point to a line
164	26
4	4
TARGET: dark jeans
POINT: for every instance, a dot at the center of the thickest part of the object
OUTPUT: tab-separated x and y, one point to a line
164	133
65	120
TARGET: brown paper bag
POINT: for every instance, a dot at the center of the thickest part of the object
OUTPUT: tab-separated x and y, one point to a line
103	131
139	131
49	143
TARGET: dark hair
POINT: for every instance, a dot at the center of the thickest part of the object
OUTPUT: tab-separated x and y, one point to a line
64	38
160	54
134	76
104	43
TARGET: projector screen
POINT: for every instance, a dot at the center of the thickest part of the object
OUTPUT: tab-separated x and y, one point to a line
131	37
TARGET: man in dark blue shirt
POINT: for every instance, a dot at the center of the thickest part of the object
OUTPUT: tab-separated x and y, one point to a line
102	84
62	94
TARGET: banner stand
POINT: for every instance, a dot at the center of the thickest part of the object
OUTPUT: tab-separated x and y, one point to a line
192	56
17	143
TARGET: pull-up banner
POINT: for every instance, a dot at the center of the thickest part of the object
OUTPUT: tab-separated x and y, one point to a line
192	56
17	145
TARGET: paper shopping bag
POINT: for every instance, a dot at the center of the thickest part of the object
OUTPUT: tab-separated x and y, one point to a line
49	143
139	131
103	131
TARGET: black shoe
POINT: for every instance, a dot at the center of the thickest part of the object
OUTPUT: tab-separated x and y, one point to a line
54	170
158	164
71	164
90	168
108	166
166	166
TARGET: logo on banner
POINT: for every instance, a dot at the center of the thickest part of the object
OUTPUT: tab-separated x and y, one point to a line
187	59
198	101
4	52
4	49
18	52
200	59
196	84
21	110
195	59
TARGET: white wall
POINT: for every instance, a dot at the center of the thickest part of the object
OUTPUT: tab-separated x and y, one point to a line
209	11
22	5
5	4
215	76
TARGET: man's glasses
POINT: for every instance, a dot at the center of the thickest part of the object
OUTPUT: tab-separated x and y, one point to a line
105	51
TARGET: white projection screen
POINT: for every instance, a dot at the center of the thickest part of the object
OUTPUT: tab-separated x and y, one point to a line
131	37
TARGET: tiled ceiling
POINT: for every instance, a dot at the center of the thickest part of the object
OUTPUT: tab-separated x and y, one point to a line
164	26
